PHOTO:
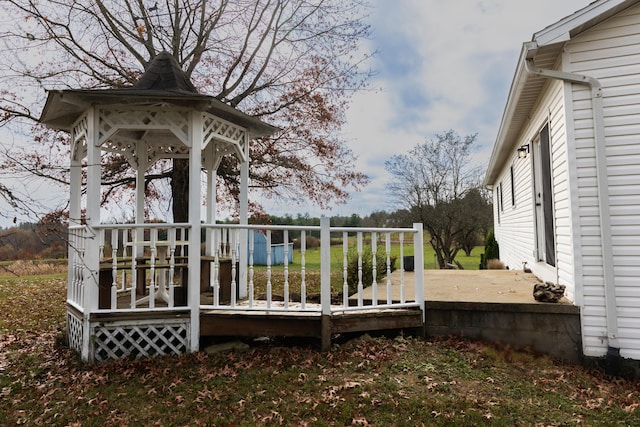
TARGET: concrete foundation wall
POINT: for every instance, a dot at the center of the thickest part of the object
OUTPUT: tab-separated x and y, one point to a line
553	329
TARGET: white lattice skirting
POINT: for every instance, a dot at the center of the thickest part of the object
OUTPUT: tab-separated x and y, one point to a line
74	332
117	340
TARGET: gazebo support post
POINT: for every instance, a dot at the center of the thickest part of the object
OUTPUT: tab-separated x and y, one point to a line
141	168
195	166
91	255
244	218
210	165
75	199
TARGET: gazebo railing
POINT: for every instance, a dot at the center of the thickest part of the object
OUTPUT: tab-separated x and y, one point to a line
77	268
331	269
141	265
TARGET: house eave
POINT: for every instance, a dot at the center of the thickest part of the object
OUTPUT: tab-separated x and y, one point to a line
580	21
546	47
523	95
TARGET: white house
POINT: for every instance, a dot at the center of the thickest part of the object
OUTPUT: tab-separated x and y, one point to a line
565	170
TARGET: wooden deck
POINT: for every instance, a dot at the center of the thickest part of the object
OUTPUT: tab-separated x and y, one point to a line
312	324
254	322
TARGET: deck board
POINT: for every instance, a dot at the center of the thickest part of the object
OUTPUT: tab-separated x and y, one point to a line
254	323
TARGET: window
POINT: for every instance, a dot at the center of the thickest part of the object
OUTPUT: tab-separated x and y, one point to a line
500	201
513	189
497	203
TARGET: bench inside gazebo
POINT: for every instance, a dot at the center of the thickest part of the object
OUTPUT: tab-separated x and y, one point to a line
147	288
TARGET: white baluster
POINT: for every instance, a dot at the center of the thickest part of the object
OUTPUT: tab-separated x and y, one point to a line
268	268
360	287
374	268
286	268
172	263
134	272
152	268
216	266
81	266
225	247
402	300
388	252
234	242
303	285
114	268
251	250
125	239
345	269
101	244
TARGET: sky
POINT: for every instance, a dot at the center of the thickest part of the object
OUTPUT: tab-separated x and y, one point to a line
441	64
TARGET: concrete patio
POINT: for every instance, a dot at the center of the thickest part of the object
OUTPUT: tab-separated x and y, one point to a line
493	286
496	306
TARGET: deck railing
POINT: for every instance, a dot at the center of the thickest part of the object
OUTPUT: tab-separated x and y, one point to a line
145	267
289	286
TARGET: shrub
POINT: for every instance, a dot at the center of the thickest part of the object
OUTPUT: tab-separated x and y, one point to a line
495	264
312	242
55	251
491	250
367	267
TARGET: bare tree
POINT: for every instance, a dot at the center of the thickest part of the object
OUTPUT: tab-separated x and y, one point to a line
293	63
477	219
437	185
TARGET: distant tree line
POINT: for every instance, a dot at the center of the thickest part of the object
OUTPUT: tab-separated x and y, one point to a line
47	238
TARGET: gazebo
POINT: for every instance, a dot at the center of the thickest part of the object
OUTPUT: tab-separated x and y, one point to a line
137	289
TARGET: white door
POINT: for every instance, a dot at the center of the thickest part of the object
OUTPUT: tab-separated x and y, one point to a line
543	198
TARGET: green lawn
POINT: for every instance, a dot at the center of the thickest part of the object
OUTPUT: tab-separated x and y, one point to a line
312	268
395	381
312	257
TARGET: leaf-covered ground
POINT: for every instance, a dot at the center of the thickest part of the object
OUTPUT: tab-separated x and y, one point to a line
365	381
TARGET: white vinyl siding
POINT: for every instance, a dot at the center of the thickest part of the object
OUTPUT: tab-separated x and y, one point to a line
516	231
562	203
513	232
609	52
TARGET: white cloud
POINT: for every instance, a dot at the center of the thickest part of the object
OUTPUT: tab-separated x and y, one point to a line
441	65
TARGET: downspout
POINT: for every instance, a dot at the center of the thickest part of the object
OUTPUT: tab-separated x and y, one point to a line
613	351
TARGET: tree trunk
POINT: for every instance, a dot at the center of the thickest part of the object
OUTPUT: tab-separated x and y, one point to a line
180	196
180	190
445	254
440	254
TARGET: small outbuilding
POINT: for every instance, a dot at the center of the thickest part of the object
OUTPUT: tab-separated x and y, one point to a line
265	252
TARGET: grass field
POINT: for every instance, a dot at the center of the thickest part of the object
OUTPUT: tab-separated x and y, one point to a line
312	257
396	381
312	266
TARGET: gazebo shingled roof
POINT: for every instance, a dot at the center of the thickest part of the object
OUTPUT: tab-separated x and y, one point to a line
162	81
164	73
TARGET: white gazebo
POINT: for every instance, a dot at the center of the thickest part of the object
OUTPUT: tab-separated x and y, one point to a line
142	289
160	117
